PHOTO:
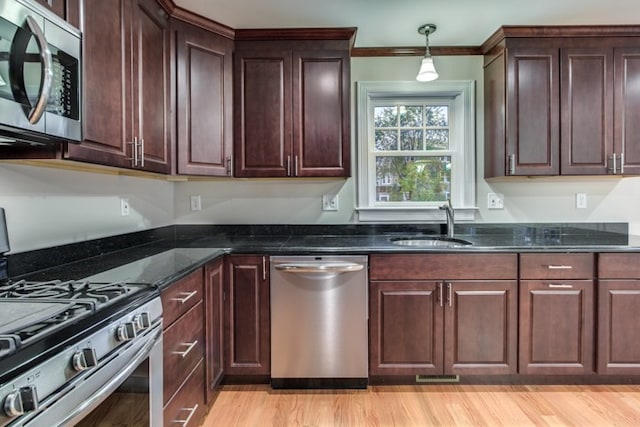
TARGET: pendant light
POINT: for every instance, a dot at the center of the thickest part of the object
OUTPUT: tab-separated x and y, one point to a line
427	71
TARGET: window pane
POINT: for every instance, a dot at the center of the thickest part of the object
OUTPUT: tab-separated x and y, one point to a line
411	140
437	115
410	116
413	179
386	140
385	117
437	139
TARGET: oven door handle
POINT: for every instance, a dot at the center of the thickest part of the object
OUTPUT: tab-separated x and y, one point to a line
114	382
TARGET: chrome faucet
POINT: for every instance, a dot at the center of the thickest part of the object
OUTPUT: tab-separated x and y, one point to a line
448	208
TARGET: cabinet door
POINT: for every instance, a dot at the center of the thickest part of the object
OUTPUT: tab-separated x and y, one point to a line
321	129
587	110
150	84
556	327
481	332
105	83
627	108
59	7
405	321
247	335
618	332
205	85
262	114
532	111
214	325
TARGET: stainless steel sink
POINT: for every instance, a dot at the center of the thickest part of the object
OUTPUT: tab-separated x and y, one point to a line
423	241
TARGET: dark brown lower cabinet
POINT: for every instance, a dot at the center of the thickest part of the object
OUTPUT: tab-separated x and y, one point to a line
187	406
618	327
214	326
619	313
443	327
556	327
405	329
247	317
184	350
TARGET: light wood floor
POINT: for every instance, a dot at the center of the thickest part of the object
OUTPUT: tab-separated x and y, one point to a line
431	405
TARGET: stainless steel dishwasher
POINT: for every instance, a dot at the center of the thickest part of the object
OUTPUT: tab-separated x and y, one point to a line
319	322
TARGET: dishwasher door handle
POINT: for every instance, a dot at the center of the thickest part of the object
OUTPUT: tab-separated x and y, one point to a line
330	267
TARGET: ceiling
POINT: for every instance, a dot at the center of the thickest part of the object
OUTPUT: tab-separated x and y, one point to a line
394	23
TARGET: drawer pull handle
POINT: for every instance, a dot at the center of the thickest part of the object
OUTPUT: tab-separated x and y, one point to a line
188	296
559	267
190	346
192	411
560	285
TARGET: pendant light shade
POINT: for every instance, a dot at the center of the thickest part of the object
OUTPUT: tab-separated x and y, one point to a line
427	70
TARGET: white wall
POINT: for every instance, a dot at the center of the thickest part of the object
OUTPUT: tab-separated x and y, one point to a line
47	207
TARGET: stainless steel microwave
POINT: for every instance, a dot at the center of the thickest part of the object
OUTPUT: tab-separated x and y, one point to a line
40	76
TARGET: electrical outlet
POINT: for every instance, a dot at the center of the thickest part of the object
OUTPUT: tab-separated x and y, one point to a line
196	203
124	207
330	202
495	201
581	200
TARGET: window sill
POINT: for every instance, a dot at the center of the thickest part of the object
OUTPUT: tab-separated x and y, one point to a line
413	214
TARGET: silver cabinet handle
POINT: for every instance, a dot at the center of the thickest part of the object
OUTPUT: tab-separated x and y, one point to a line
560	286
47	71
295	165
192	411
622	163
440	294
615	171
288	165
228	160
134	149
264	268
559	267
511	164
190	346
188	296
141	152
449	295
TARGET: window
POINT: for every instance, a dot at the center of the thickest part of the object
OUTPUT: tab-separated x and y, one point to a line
416	145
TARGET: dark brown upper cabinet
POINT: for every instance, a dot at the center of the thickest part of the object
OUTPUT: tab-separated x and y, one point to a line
204	101
291	103
126	98
558	101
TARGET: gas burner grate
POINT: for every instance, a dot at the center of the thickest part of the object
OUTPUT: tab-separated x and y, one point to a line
101	293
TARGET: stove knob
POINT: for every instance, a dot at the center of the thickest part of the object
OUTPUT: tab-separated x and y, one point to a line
126	332
142	321
84	359
21	401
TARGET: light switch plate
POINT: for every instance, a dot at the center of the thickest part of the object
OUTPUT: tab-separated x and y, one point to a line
581	200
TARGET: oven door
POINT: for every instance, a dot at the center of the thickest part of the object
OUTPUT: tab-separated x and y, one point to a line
126	390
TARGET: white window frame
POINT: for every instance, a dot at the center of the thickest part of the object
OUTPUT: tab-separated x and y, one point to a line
461	94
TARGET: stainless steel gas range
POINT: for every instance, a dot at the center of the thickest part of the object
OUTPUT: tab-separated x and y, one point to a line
78	352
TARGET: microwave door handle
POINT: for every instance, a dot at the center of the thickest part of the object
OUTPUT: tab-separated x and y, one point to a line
47	71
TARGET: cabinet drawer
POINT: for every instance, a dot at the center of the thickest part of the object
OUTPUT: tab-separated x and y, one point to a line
443	266
188	403
183	348
181	296
619	266
556	266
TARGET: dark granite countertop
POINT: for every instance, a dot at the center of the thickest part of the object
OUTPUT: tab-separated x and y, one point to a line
167	255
